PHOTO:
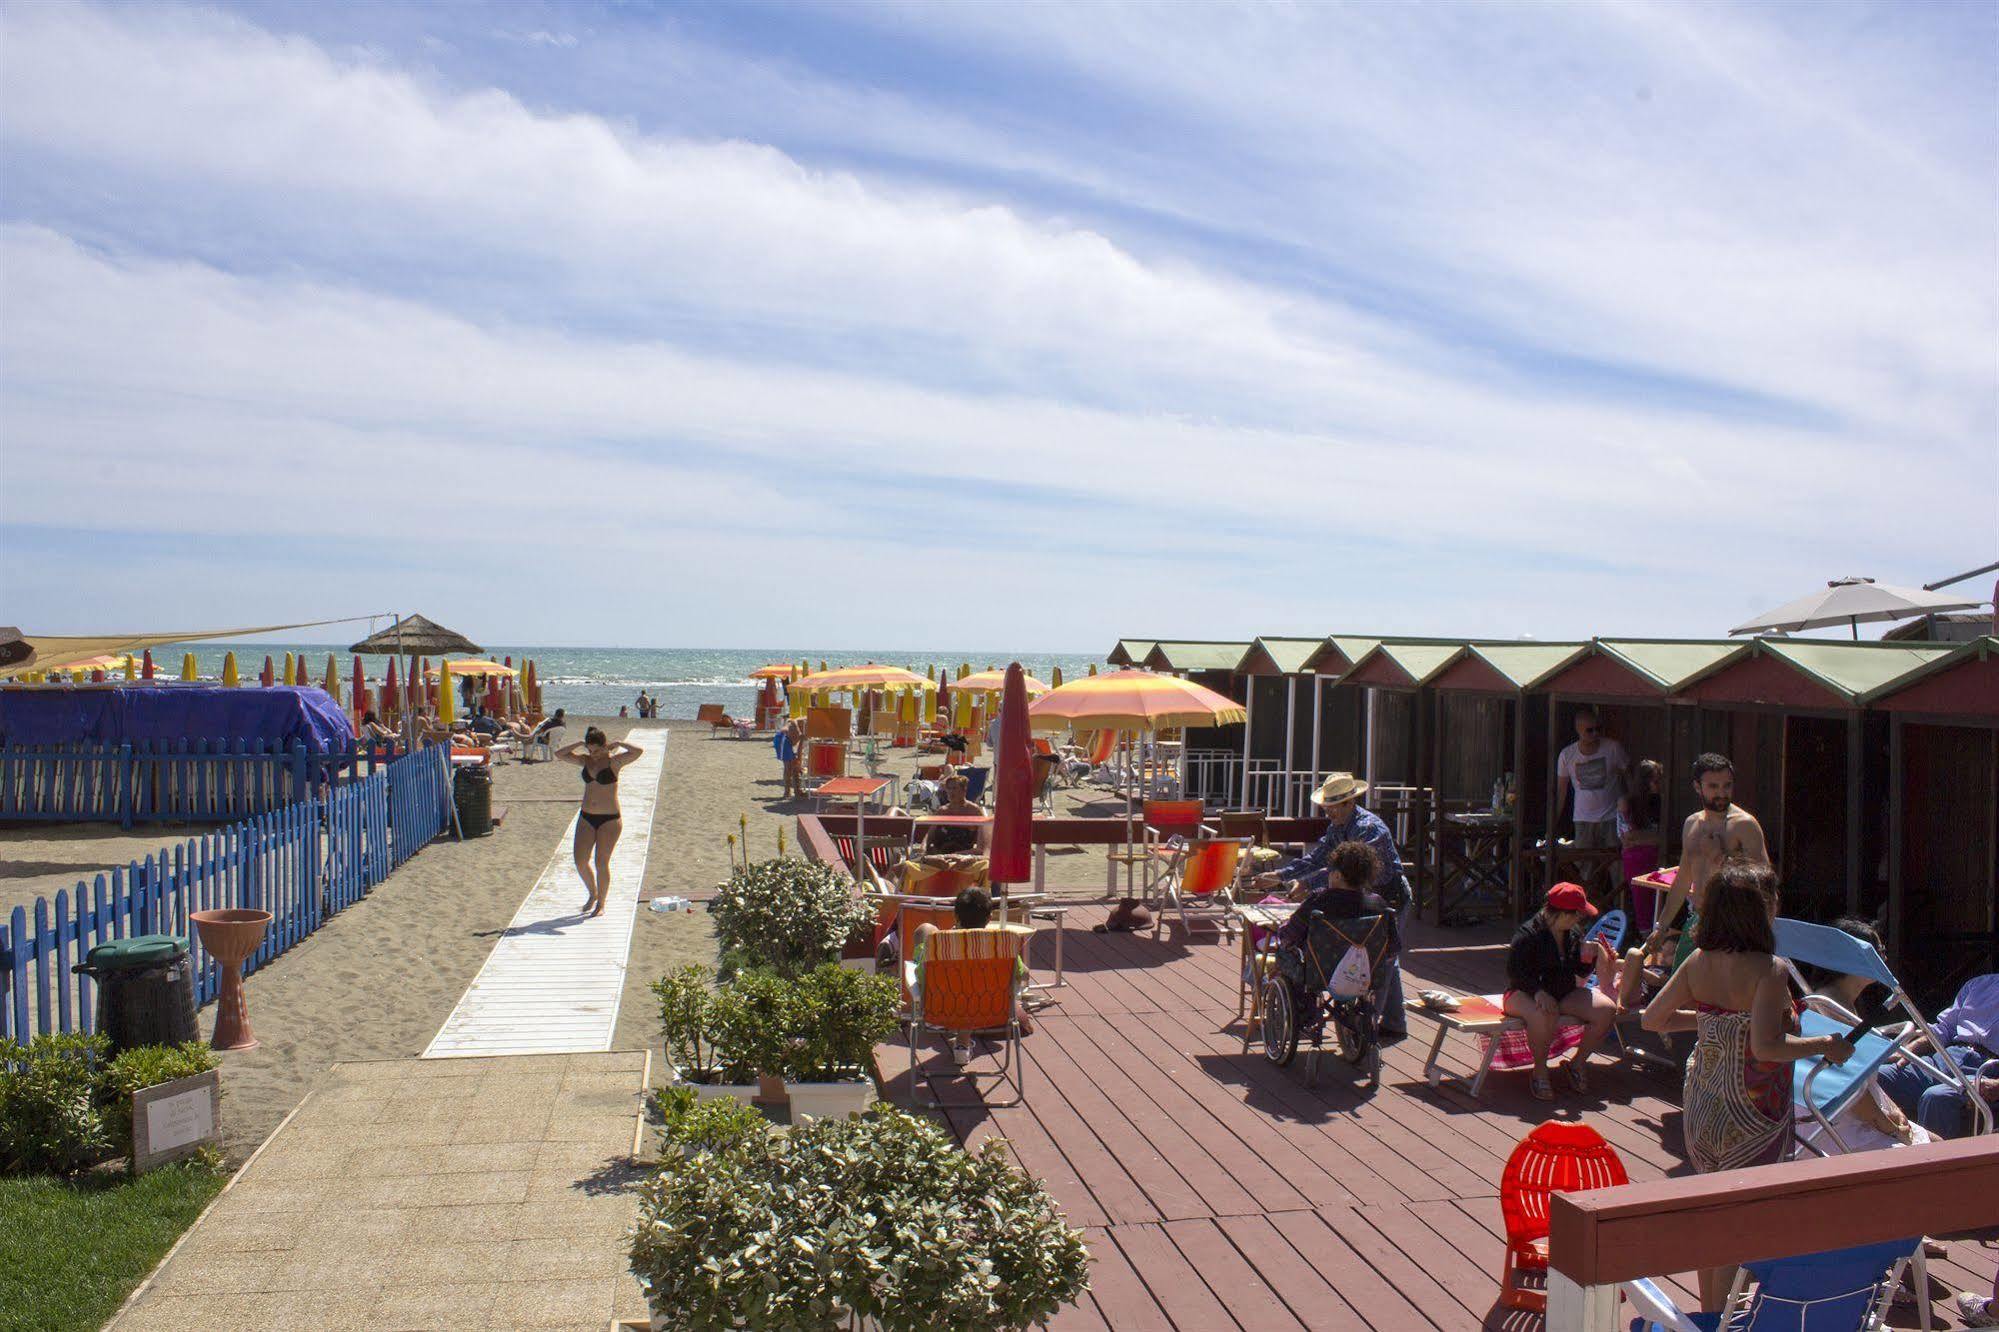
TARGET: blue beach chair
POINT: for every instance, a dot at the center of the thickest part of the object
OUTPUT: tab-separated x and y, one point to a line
1842	1290
1827	1091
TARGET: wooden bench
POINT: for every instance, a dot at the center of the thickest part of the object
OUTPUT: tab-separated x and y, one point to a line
1478	1015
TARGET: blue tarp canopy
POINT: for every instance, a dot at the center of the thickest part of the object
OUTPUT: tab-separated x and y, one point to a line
113	714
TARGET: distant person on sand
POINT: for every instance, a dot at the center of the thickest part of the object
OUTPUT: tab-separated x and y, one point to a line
786	744
599	822
372	730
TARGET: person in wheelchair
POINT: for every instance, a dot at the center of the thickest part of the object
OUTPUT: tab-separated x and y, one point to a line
1352	871
1337	961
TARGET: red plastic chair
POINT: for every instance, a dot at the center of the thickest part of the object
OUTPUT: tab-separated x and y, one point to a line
1557	1157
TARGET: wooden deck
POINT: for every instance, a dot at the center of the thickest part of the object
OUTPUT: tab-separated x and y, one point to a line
1219	1191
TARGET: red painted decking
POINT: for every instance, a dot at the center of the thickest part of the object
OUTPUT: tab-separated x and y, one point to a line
1219	1191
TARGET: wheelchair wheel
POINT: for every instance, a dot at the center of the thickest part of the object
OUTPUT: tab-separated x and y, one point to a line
1358	1045
1280	1022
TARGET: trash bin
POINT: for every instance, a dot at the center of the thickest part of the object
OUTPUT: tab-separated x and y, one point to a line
472	789
145	990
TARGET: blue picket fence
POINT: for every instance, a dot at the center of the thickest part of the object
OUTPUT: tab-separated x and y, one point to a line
303	863
183	781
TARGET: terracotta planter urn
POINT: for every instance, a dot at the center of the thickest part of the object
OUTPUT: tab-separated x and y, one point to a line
230	935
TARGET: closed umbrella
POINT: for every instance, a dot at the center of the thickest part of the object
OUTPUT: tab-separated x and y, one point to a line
1849	601
1013	774
332	682
187	668
360	688
1055	677
147	672
391	697
229	676
269	675
445	703
131	672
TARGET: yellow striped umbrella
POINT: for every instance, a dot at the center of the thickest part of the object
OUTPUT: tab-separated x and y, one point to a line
1133	701
777	670
850	679
992	682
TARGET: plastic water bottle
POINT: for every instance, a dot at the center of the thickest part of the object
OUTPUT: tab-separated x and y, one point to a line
671	904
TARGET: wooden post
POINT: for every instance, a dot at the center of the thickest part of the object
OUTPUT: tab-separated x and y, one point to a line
1290	743
1248	732
1895	836
1554	814
1318	716
1853	841
1516	878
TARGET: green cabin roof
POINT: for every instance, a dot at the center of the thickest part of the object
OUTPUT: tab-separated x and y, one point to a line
1196	656
1527	664
1130	651
1670	663
1288	655
1856	670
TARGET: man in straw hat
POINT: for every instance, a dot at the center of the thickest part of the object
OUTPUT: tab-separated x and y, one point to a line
1339	796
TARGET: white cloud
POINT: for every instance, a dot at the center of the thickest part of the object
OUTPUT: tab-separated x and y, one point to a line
787	338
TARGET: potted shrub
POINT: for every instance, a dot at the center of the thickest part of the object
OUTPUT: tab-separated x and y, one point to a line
687	1026
755	1026
842	1015
879	1220
787	915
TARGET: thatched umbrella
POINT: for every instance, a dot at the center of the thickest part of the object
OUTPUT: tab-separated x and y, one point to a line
413	635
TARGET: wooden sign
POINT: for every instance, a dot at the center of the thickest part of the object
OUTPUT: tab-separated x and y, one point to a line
175	1119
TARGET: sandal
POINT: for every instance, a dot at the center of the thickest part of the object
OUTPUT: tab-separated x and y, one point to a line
1543	1090
1578	1076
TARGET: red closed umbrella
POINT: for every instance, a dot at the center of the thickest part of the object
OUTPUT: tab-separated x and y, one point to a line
269	675
147	670
493	694
1013	777
391	701
360	687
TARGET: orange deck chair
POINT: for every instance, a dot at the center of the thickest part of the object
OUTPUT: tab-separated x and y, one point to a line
970	984
1199	871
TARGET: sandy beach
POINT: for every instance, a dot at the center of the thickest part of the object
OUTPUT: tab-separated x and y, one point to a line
378	980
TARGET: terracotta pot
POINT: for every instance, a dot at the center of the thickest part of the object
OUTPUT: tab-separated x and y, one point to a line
230	935
770	1089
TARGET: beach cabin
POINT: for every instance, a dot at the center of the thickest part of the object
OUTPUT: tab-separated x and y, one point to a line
1130	653
1489	739
1943	816
1339	708
1213	754
1811	760
1279	766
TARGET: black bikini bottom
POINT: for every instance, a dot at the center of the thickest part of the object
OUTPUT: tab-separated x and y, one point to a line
598	820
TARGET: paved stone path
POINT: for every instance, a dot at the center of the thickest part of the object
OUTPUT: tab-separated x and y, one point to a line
423	1194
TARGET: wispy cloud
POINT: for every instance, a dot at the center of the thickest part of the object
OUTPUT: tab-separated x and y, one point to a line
1413	298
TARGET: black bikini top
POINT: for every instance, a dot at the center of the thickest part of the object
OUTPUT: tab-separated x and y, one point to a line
603	777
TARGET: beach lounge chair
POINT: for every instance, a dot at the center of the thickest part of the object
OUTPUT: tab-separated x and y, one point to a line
1502	1039
1826	1089
1560	1156
715	715
1195	883
1841	1290
543	742
969	985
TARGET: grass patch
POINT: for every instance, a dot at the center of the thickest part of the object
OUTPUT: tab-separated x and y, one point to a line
71	1251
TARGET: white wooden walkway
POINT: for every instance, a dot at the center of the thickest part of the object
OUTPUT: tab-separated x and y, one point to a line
554	979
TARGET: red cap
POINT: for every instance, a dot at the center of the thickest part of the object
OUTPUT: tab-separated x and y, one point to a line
1570	897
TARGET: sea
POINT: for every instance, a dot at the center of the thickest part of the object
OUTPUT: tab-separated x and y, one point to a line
596	682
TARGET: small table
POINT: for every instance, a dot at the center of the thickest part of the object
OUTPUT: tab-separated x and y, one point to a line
1579	864
861	790
1058	913
1253	917
1477	854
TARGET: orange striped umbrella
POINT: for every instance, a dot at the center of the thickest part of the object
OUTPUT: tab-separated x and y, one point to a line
1133	701
777	670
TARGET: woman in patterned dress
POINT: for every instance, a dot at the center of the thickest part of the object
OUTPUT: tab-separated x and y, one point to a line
1736	997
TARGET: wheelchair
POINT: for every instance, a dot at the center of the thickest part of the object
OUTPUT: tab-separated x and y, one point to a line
1308	991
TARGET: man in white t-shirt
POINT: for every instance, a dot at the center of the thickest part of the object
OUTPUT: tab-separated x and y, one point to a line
1594	767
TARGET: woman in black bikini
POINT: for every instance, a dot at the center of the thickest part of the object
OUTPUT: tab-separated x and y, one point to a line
599	823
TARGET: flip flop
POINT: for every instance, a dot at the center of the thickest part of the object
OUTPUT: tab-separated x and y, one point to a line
1543	1090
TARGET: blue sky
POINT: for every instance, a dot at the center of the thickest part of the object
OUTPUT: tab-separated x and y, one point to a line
709	324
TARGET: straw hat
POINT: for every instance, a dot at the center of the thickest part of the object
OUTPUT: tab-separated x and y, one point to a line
1340	786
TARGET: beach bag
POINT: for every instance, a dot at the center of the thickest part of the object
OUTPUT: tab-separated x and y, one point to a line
1350	978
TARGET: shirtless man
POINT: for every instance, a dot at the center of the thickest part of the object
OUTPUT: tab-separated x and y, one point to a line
1719	829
